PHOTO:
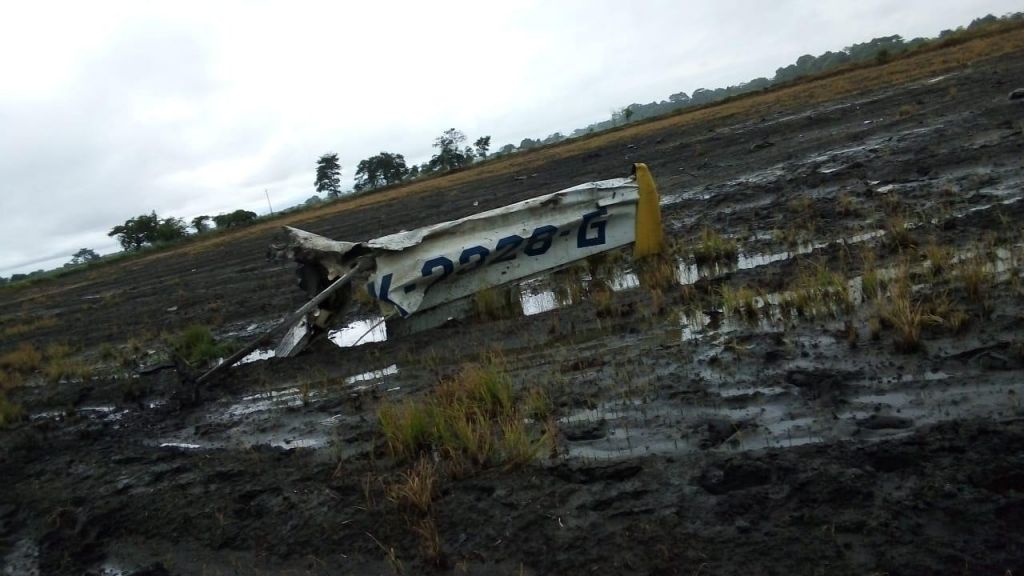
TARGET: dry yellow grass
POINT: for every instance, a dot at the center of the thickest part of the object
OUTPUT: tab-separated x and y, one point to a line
472	420
10	412
26	327
24	359
417	486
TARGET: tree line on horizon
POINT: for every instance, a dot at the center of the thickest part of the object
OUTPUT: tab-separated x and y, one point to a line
151	230
147	231
878	50
387	168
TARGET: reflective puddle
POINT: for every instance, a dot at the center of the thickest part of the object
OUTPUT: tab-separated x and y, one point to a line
362	381
355	333
362	331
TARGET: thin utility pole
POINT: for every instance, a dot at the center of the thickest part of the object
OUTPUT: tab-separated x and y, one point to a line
268	201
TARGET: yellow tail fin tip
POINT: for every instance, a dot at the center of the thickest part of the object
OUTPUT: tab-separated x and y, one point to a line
649	234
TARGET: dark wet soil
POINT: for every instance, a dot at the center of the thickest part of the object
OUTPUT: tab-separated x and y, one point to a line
691	439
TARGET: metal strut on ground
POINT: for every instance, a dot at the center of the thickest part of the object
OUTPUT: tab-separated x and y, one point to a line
343	280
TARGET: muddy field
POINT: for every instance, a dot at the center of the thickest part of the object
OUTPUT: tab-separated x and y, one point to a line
824	375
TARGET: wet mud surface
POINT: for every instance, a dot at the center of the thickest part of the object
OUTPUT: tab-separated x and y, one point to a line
701	429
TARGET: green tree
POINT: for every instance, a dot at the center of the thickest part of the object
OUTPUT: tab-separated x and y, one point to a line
556	137
136	232
147	229
201	224
482	145
169	230
679	98
380	170
328	175
235	219
84	256
449	156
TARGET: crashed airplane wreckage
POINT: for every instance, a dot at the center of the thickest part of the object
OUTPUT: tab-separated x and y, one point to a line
423	270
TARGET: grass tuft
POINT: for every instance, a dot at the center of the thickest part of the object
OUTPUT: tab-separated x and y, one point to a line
846	205
657	272
818	290
802	207
948	314
23	359
9	380
417	487
538	405
603	298
939	259
898	236
976	278
407	427
906	317
495	303
739	302
472	420
907	110
10	412
24	328
59	369
197	346
430	541
870	283
713	247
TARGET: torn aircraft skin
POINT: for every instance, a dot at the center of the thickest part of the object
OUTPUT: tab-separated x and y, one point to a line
418	270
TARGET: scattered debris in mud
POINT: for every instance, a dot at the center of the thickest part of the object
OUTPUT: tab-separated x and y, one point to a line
822	376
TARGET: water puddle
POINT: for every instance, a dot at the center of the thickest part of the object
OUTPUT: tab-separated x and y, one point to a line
359	332
290	397
294	443
355	333
180	445
537	298
361	381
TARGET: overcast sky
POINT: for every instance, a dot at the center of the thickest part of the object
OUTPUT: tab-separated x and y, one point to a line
109	110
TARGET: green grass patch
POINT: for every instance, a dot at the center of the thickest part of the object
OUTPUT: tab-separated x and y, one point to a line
10	412
197	346
473	420
713	247
23	359
739	302
818	290
496	303
27	327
